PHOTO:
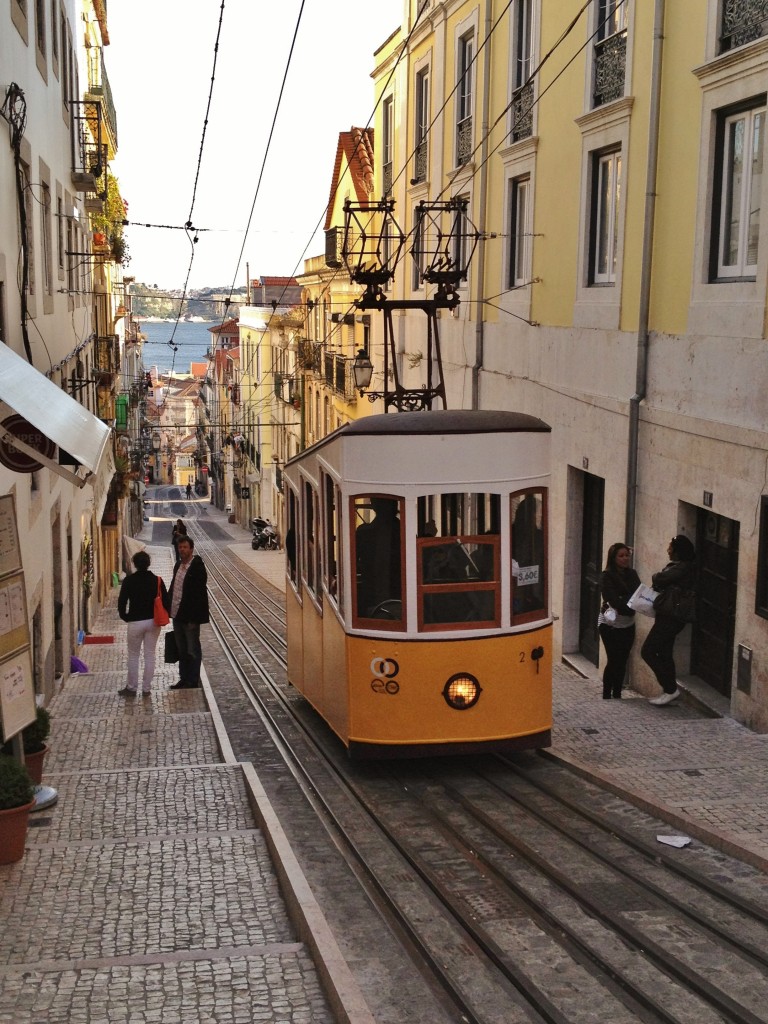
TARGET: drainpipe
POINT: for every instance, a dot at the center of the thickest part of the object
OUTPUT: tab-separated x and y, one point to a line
641	373
482	193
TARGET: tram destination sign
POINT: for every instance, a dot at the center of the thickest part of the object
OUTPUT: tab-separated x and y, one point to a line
15	459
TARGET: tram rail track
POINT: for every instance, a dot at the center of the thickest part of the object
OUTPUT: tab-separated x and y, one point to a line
493	880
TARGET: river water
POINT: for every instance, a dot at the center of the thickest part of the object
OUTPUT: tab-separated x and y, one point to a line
193	341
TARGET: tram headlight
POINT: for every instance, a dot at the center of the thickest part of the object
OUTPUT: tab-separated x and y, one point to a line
462	691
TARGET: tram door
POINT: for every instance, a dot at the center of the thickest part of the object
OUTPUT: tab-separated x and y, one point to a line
717	550
591	566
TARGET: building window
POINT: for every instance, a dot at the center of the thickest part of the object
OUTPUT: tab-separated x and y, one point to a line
761	594
738	186
422	126
610	57
46	239
55	31
518	273
40	25
604	220
387	154
466	54
460	231
60	218
29	232
417	250
522	69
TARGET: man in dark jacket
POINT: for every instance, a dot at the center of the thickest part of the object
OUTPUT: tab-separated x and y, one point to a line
188	596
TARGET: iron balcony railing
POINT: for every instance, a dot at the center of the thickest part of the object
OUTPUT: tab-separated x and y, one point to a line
610	68
522	112
89	150
106	354
743	21
420	161
338	375
464	141
100	90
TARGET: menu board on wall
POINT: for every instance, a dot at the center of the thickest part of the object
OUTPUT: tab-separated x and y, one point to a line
17	688
10	555
17	693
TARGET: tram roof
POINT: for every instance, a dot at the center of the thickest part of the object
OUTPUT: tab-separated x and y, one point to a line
447	421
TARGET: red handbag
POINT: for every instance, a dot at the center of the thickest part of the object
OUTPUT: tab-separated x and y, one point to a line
160	616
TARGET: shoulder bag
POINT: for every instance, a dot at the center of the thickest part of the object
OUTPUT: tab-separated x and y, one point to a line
679	603
161	616
170	648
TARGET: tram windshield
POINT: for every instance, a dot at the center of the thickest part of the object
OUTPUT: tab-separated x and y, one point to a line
458	560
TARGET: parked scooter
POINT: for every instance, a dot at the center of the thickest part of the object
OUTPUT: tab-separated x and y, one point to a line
264	535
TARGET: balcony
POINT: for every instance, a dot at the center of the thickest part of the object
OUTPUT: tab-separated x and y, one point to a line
99	91
338	375
106	355
610	68
522	112
464	141
743	21
420	162
89	151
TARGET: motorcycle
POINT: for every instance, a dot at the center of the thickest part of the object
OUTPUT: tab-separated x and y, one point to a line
264	535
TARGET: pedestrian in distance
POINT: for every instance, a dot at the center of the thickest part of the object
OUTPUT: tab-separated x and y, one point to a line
188	606
657	650
135	605
189	491
616	622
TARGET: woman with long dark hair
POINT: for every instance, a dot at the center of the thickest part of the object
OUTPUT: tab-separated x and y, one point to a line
136	606
616	623
680	571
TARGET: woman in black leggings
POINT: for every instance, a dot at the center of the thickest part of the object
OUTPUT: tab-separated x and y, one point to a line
616	623
656	652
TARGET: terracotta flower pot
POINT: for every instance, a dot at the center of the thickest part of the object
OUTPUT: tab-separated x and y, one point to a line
13	832
34	764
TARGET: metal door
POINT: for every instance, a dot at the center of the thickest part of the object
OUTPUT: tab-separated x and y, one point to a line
591	566
717	550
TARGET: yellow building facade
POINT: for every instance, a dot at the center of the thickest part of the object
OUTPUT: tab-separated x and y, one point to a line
610	157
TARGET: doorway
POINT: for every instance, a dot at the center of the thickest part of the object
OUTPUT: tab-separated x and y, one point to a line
591	566
717	549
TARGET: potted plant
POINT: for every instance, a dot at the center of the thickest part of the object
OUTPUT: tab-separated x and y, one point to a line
34	737
17	799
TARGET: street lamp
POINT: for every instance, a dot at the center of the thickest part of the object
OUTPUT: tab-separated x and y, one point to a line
362	370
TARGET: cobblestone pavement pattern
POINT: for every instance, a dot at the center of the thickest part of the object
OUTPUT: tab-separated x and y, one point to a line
147	895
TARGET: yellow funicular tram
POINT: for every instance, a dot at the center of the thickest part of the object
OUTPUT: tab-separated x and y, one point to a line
418	599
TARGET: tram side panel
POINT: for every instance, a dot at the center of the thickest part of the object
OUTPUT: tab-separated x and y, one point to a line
317	661
397	691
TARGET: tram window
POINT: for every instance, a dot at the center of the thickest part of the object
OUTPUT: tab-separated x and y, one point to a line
290	538
458	564
378	549
529	554
311	548
332	533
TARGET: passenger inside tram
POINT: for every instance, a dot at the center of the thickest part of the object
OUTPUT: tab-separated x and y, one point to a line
377	552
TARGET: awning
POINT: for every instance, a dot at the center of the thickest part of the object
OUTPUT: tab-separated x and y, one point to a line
64	421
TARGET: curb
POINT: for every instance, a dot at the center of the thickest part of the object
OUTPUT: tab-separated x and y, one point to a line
341	990
713	837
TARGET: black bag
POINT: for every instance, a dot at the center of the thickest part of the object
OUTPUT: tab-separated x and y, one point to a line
171	650
679	603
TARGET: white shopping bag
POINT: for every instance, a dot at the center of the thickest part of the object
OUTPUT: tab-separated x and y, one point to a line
642	601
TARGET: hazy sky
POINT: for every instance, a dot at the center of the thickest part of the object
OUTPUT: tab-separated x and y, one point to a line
160	63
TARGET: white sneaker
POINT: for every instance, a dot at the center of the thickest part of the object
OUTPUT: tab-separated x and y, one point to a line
665	698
